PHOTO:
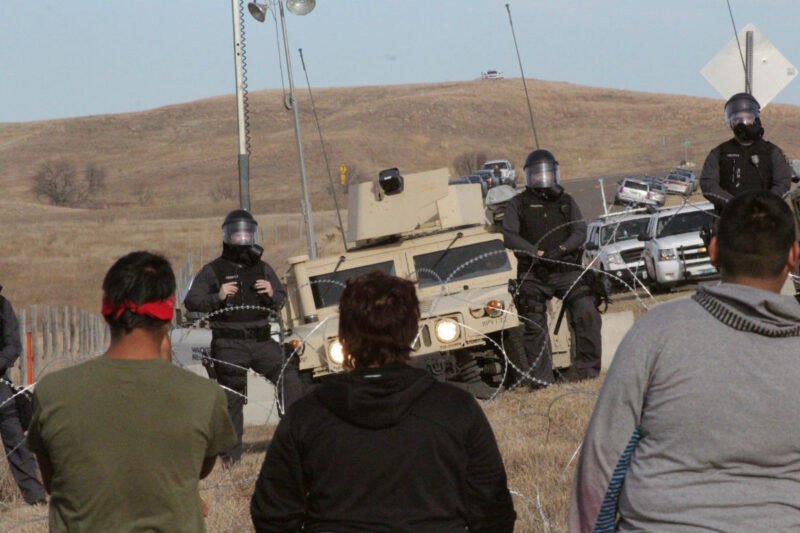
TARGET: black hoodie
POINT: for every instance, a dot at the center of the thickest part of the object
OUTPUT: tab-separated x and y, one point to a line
385	449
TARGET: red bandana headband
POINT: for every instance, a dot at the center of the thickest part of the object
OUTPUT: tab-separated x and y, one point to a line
161	310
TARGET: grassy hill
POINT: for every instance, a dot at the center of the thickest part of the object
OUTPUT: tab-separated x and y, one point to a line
165	165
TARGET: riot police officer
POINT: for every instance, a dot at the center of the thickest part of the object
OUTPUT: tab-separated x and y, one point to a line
746	162
20	458
544	227
241	290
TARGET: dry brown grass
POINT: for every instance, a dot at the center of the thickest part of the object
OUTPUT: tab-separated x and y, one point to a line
538	435
182	153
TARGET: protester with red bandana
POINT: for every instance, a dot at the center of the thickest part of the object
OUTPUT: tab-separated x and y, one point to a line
123	439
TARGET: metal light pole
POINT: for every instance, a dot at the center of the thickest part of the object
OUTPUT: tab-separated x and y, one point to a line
300	8
244	157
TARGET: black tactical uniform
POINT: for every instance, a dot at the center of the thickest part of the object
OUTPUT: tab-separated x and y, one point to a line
746	162
241	337
545	228
21	460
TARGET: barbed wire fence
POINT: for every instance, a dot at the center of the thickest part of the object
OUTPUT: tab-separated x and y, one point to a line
68	336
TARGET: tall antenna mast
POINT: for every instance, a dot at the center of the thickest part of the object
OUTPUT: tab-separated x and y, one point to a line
324	152
525	85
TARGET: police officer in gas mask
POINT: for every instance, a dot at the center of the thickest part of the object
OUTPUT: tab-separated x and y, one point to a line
241	290
746	162
544	227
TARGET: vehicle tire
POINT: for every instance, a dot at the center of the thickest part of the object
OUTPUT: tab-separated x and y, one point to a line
511	340
653	284
659	288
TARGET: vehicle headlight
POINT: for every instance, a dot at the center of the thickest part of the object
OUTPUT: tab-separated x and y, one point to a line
667	254
336	352
615	259
447	330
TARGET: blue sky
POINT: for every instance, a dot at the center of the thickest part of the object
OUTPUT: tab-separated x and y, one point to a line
86	57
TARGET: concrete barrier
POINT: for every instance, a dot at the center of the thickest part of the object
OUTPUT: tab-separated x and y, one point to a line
615	326
260	408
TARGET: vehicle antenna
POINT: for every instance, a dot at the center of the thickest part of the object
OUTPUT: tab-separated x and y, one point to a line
739	46
525	85
324	153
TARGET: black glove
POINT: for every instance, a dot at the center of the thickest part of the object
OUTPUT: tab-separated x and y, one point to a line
556	253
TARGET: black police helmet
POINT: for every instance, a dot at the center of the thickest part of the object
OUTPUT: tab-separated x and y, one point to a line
541	170
741	103
238	215
239	228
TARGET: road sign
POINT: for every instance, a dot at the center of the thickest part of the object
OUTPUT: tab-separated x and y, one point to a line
686	142
771	70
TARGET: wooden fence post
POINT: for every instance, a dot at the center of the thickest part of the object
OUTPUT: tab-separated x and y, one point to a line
23	354
65	331
106	336
95	330
55	331
34	344
73	331
85	349
45	332
81	335
92	329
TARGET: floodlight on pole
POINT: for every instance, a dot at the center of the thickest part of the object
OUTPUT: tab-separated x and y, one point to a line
298	7
301	7
259	11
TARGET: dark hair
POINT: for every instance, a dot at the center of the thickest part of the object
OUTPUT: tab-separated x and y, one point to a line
138	277
378	320
756	231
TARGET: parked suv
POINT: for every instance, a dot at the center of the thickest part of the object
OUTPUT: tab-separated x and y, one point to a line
473	178
612	246
679	184
640	192
508	176
489	177
673	250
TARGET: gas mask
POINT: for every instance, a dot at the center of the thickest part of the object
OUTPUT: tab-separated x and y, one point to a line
550	193
244	254
749	132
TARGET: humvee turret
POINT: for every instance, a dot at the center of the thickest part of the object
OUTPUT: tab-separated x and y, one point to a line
418	228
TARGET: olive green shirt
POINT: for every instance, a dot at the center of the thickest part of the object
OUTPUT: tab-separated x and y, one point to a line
127	440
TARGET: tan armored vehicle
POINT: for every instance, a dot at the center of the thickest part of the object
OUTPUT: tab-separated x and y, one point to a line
419	228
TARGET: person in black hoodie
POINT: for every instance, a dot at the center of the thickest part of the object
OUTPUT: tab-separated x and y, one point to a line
384	447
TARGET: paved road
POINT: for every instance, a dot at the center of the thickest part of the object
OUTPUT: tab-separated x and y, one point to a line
586	192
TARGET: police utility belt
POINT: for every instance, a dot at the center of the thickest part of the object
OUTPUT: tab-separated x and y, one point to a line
541	269
256	334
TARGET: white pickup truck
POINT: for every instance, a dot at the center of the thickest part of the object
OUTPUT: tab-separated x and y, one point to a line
674	253
508	176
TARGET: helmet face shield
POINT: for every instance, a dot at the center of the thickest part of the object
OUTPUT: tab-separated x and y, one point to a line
542	175
741	109
240	233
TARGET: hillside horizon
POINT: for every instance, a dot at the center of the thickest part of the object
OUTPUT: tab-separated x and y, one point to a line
165	166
